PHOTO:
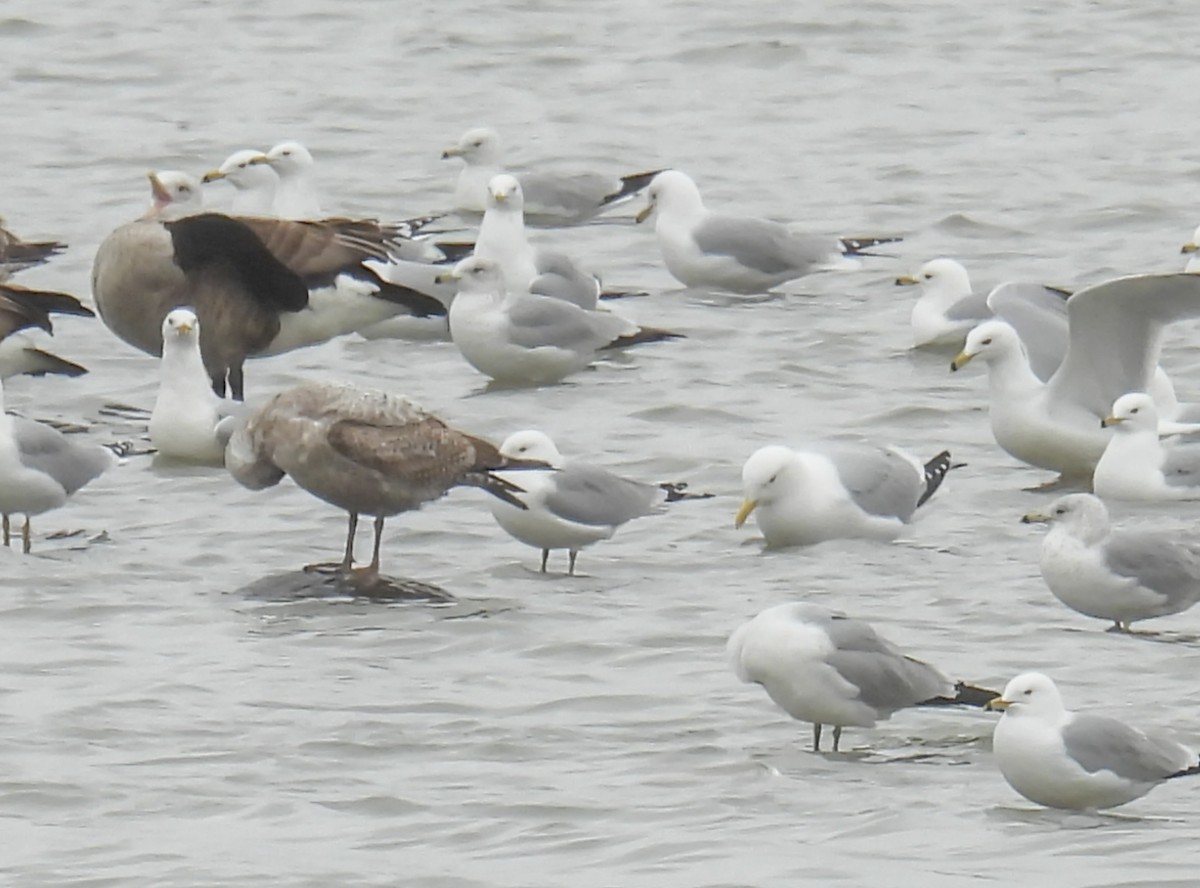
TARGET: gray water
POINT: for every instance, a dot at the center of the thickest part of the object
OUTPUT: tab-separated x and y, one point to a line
159	727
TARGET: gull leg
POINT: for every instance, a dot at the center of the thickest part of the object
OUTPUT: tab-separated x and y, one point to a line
837	737
374	568
348	558
7	531
545	555
26	544
816	737
571	567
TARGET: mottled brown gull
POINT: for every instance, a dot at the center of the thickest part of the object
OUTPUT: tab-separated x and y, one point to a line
368	452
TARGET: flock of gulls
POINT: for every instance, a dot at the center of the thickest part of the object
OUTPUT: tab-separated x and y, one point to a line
1074	382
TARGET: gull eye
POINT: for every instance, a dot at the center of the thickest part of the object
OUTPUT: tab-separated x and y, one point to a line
987	341
1059	511
771	480
1135	409
928	276
242	165
1027	691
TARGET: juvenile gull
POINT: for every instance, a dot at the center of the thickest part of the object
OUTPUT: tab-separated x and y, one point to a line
189	422
24	309
17	255
259	286
1136	465
367	452
519	337
823	667
948	308
552	198
1115	332
1113	574
804	497
740	254
1078	761
39	469
253	180
575	505
296	195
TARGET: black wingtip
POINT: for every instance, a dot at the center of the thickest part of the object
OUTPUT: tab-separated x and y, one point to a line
677	490
935	473
643	336
1186	772
630	185
858	246
965	695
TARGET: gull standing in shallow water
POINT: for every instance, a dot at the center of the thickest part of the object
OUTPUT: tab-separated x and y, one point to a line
367	452
1112	574
552	198
740	254
40	468
1136	465
576	504
1078	761
804	497
189	422
823	667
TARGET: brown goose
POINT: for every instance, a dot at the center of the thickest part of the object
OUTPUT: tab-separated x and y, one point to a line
259	286
16	254
21	309
367	452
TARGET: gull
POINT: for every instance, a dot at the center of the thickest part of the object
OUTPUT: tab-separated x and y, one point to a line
22	309
576	504
253	179
189	422
1192	250
1135	465
1115	330
552	198
823	667
741	254
17	255
516	337
259	286
1115	574
40	468
1078	761
367	452
295	196
948	308
804	497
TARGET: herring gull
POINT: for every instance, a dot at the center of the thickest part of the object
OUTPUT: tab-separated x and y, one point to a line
253	180
368	452
40	468
259	286
551	198
295	195
1136	465
1122	575
804	497
739	254
189	422
1078	761
823	667
17	255
576	504
1115	333
519	337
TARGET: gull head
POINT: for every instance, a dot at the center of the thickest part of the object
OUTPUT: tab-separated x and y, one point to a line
531	444
766	477
289	159
174	195
1134	412
474	275
480	145
1030	694
1082	515
180	323
990	340
242	169
941	276
504	192
671	192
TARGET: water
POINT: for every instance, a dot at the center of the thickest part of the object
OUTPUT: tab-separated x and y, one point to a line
159	727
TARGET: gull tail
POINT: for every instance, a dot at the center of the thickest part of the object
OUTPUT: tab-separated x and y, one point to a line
453	252
935	474
677	490
859	246
1186	772
643	336
622	294
489	459
17	255
965	695
630	185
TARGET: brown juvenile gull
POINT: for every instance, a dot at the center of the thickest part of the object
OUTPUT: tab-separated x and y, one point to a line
368	452
24	309
259	286
17	255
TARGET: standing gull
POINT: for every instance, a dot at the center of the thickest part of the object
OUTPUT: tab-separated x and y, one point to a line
253	180
823	667
189	422
17	255
1078	761
40	468
1136	465
740	254
576	504
367	452
804	497
551	198
1113	574
1115	332
519	337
